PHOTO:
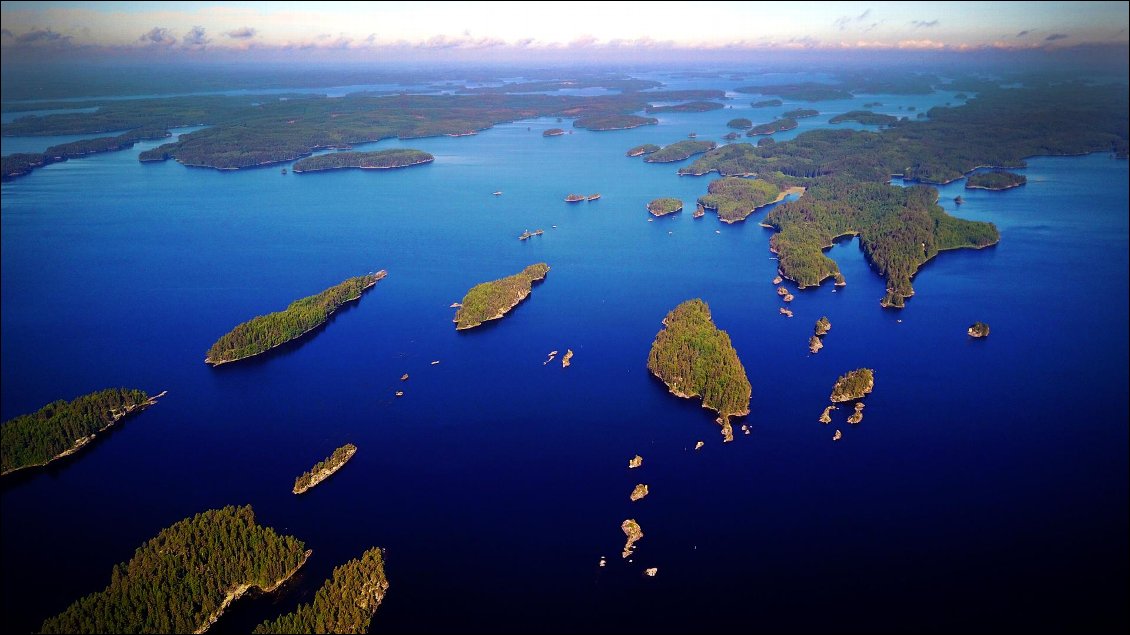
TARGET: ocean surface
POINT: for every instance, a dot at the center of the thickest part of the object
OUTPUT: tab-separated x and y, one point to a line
985	489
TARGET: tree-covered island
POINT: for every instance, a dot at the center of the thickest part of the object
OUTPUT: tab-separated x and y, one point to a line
260	334
324	469
853	385
694	358
679	150
766	103
800	113
22	163
994	181
690	106
492	300
613	122
778	125
664	206
735	198
379	160
641	150
739	123
865	117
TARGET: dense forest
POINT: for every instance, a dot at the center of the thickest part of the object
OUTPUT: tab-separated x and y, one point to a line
679	150
995	180
641	150
613	122
344	604
690	106
735	198
739	123
381	159
695	358
865	117
800	113
778	125
323	469
491	300
261	334
177	581
40	437
664	206
853	385
23	163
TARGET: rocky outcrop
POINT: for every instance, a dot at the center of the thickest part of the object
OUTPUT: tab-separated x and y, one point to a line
632	530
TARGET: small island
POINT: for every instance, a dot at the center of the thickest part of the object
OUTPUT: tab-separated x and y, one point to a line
260	334
575	198
731	136
679	150
853	385
324	469
740	123
865	117
978	329
856	416
826	416
62	428
800	113
690	106
598	123
735	198
780	125
814	344
694	358
380	160
641	150
632	530
553	132
492	300
823	325
635	462
994	181
767	103
639	492
664	206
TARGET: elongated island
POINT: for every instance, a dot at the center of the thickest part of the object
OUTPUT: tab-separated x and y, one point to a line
324	469
641	150
379	160
995	181
62	428
779	125
679	150
492	300
853	385
694	358
260	334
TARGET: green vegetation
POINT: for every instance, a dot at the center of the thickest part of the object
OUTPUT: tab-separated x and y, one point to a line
853	385
731	136
344	604
995	181
613	122
553	132
979	329
779	125
741	123
767	103
865	117
262	333
800	113
179	581
679	150
23	163
492	300
379	160
735	198
323	469
695	358
807	91
664	206
646	148
690	106
62	427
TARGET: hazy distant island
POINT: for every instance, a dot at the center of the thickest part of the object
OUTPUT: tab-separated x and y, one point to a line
598	123
260	334
735	198
805	91
182	580
739	123
664	206
679	150
767	103
553	132
800	113
22	163
379	160
690	106
978	329
492	300
865	117
779	125
324	469
994	181
694	358
62	428
853	385
641	150
344	604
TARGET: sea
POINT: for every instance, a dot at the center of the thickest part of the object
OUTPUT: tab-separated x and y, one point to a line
985	489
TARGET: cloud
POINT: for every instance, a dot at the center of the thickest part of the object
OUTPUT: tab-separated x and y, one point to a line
923	24
1056	36
158	36
196	37
242	33
843	22
1023	33
42	36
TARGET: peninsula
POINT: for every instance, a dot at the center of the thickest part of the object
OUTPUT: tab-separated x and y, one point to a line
380	160
492	300
641	150
679	150
735	198
664	206
22	163
182	580
995	181
260	334
324	469
62	428
853	385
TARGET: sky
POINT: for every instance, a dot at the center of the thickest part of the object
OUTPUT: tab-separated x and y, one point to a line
520	30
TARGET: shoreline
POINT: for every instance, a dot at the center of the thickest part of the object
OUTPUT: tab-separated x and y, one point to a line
237	592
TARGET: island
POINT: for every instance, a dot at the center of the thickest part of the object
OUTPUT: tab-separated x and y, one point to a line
823	325
598	123
735	198
641	150
575	198
690	106
958	200
699	211
740	123
800	113
379	160
995	181
856	416
260	334
779	125
527	234
694	358
865	117
826	416
344	604
679	150
978	329
635	462
62	428
22	163
594	197
731	136
814	344
324	469
767	103
553	132
567	358
632	530
853	385
183	579
639	492
664	206
492	300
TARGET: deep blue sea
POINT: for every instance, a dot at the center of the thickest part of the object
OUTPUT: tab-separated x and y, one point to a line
986	488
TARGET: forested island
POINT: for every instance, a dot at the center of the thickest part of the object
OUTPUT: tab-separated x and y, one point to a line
344	604
865	117
324	469
694	358
731	136
22	163
613	122
778	125
853	385
994	181
800	113
766	103
491	300
679	150
978	329
553	132
690	106
62	428
379	160
735	198
183	579
739	123
664	206
641	150
260	334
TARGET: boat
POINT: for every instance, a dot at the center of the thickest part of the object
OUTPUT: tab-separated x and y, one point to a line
498	193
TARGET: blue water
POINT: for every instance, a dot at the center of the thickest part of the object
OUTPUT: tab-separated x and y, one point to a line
986	487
